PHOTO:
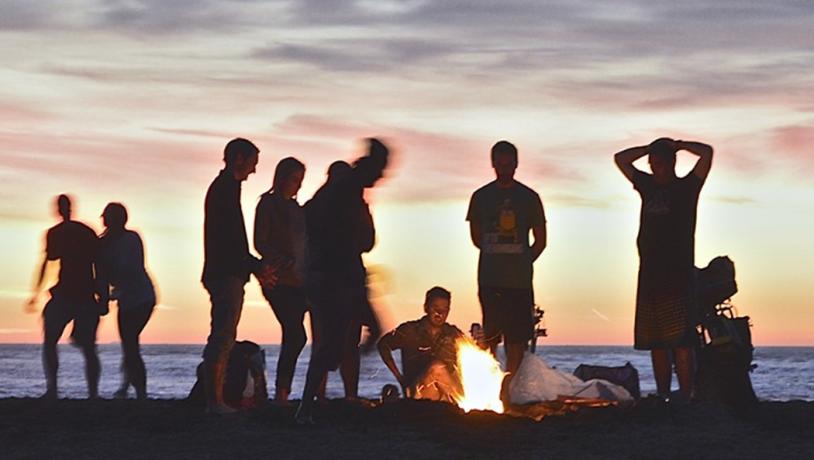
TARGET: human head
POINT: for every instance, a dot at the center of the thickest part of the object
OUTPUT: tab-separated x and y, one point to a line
338	169
504	160
662	157
114	216
240	156
288	177
436	305
64	206
371	167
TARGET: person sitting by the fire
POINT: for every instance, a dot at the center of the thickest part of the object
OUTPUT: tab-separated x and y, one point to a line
428	351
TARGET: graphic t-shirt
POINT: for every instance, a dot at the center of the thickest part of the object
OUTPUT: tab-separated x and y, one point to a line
505	216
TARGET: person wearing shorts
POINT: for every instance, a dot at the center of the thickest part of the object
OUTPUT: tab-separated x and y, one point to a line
501	215
73	298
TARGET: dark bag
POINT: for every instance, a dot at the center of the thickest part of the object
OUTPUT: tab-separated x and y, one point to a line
244	384
716	284
625	376
724	365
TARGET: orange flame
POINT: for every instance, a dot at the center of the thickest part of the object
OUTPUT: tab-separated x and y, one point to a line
481	378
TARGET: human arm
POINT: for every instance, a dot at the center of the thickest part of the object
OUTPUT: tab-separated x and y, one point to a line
624	160
704	153
540	241
538	229
474	222
386	352
31	303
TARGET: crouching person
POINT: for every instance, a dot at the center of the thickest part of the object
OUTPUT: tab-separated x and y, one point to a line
428	352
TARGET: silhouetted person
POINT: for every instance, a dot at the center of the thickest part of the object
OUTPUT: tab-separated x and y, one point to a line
665	299
280	237
121	276
227	264
363	314
500	216
428	351
340	229
73	298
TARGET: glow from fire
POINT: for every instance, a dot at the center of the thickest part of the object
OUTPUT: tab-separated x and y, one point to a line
481	378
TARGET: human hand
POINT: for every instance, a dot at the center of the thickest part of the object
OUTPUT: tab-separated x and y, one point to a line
268	276
103	307
30	306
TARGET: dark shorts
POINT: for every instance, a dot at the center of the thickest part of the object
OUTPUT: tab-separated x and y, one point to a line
508	314
59	311
226	296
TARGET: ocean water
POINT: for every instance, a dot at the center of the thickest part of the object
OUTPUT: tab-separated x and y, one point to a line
782	373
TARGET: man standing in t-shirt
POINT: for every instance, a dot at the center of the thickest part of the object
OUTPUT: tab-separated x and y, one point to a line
73	298
501	213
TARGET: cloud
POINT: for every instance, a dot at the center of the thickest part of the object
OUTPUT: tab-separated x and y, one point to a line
736	200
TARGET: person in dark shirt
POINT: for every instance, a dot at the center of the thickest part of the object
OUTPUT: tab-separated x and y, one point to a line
228	264
501	215
340	229
73	298
428	351
665	298
279	236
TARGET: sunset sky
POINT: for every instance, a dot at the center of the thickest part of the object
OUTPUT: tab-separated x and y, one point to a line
133	101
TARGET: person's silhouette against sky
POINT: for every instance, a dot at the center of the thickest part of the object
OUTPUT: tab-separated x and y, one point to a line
665	297
340	229
75	246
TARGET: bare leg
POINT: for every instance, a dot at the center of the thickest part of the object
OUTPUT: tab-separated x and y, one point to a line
684	370
662	370
92	370
50	363
514	356
351	362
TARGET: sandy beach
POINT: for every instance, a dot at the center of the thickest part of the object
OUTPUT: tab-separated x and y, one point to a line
30	428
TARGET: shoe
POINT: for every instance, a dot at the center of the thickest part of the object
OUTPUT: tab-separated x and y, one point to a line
304	416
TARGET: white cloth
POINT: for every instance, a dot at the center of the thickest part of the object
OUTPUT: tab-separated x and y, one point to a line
536	381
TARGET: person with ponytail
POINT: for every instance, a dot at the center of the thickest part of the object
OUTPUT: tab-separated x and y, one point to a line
280	238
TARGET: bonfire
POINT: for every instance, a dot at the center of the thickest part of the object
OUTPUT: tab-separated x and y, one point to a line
481	378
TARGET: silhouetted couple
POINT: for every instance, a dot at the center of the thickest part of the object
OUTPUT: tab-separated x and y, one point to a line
88	269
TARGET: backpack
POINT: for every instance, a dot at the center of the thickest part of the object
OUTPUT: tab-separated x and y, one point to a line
244	385
625	376
726	352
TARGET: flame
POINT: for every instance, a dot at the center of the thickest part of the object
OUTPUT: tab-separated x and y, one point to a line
481	378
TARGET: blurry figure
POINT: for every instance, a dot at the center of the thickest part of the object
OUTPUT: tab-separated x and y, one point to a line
73	298
228	264
665	299
121	267
428	352
500	216
280	237
340	228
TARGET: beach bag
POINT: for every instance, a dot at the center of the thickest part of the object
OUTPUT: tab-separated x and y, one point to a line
244	384
626	376
725	360
723	375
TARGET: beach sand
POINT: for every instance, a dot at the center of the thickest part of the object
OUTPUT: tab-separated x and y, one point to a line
153	429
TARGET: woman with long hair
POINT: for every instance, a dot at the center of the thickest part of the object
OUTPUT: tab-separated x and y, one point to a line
279	236
122	277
